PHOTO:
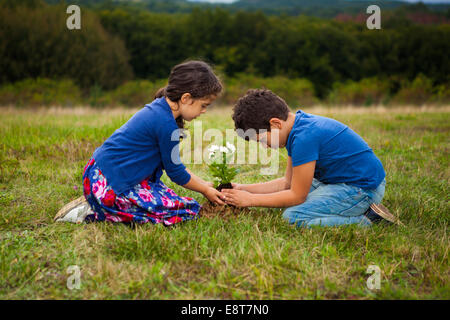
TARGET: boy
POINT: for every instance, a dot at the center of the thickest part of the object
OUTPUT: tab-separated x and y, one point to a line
332	176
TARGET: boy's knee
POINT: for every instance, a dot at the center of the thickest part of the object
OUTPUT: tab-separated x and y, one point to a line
288	214
293	216
315	222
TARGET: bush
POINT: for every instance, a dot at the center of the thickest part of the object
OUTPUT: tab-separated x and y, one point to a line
442	94
365	92
296	92
37	92
131	94
417	92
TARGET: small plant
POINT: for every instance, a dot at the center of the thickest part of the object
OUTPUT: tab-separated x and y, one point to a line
220	157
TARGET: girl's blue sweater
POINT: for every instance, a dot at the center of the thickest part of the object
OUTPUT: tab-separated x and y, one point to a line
144	146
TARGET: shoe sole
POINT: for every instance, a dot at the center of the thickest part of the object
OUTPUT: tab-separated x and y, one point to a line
64	210
383	212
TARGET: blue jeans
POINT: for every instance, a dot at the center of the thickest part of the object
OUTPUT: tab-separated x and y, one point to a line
334	204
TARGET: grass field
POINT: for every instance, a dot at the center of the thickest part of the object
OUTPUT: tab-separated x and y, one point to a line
252	256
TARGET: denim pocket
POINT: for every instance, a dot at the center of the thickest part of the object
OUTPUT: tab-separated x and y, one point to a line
357	201
358	208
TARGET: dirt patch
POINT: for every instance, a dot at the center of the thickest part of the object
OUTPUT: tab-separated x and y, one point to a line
224	186
210	210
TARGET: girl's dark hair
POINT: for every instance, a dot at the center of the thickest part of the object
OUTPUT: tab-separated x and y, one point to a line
194	77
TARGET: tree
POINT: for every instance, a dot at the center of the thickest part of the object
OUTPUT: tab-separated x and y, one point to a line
35	42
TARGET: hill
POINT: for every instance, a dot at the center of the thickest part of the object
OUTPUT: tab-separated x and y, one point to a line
318	8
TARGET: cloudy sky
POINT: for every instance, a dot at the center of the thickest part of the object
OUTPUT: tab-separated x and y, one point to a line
425	1
221	1
430	1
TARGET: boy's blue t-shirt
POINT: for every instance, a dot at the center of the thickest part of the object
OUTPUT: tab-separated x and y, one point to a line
144	146
341	155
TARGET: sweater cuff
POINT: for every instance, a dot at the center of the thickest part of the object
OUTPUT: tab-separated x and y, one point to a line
181	178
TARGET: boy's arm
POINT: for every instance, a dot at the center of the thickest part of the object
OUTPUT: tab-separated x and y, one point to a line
301	180
272	186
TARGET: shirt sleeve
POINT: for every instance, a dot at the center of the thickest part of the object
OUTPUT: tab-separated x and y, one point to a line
168	142
304	149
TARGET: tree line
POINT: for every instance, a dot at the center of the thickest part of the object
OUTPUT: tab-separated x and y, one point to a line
117	44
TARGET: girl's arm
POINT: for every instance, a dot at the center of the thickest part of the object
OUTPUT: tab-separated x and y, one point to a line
168	142
209	184
199	185
276	185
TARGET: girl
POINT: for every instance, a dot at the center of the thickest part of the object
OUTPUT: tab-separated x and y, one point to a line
121	181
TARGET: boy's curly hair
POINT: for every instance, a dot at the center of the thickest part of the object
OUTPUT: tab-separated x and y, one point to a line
256	108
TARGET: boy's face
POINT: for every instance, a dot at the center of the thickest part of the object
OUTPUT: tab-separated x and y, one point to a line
276	137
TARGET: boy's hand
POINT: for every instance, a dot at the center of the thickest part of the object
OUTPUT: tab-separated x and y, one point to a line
237	186
214	196
238	198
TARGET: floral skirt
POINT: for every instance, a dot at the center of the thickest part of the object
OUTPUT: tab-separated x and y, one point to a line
145	202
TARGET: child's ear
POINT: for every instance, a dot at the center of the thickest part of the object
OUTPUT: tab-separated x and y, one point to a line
275	123
186	98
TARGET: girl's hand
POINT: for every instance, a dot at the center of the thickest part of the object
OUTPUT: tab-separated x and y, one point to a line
209	184
214	196
238	198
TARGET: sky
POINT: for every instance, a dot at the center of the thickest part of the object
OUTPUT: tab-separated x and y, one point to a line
428	1
231	1
214	1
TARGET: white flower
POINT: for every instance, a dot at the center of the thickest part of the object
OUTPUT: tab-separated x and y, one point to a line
224	149
213	148
231	147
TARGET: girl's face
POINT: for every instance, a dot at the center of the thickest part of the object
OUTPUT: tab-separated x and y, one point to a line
191	108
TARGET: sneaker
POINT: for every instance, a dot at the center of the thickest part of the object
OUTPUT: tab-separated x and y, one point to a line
75	211
378	212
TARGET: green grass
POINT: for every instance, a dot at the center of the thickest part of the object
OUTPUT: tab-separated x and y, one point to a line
254	256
